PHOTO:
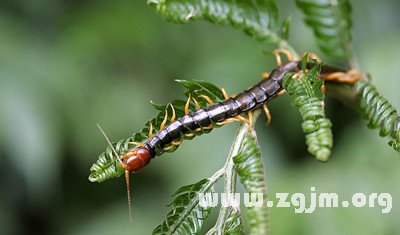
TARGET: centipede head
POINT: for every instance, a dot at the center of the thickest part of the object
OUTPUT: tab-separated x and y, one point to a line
137	158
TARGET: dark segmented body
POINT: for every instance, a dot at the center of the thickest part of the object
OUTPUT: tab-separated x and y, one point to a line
138	155
245	101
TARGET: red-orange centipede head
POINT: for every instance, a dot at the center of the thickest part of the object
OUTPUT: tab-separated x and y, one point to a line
136	159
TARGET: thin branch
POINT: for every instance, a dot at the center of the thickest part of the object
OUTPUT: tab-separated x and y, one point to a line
231	174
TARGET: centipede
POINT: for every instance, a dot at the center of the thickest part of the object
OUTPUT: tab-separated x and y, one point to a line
218	111
205	119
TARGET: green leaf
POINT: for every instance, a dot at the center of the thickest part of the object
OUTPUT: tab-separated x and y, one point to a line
285	28
304	62
107	166
309	99
199	89
331	23
186	215
250	169
380	113
233	223
257	18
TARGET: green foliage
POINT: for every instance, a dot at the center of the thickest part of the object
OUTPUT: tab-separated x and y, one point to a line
285	28
200	88
309	99
186	215
257	18
250	169
234	224
380	113
331	23
107	165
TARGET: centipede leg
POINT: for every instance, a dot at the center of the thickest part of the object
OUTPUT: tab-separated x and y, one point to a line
196	103
197	129
281	92
151	131
166	149
226	96
265	75
165	120
323	88
311	55
265	106
174	143
189	135
267	112
208	99
237	118
297	75
187	105
244	120
350	77
278	57
137	143
228	120
208	127
288	54
204	128
173	114
250	125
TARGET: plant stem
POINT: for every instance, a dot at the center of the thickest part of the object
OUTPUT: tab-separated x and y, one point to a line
231	174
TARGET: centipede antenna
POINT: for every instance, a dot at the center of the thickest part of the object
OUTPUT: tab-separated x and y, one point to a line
109	144
126	172
128	191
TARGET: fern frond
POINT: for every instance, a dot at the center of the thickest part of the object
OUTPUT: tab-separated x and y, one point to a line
309	99
250	168
257	18
331	23
107	166
380	113
197	89
233	223
186	215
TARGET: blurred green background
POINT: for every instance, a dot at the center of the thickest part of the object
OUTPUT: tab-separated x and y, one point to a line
67	65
